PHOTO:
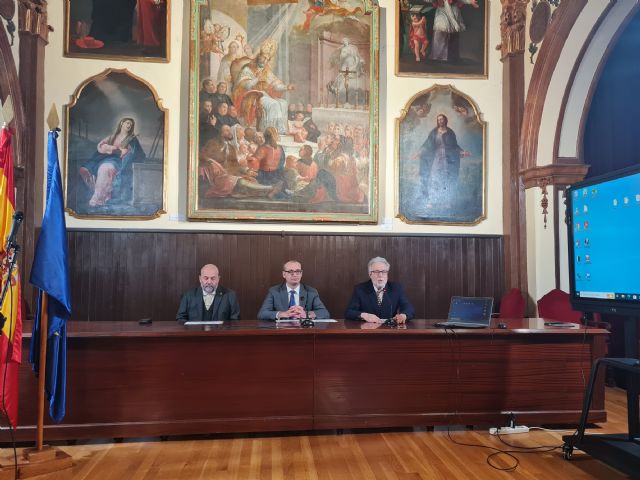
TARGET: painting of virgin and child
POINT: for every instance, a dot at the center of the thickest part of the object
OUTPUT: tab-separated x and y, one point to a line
115	149
284	111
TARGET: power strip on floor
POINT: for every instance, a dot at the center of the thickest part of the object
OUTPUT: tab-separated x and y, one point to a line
508	430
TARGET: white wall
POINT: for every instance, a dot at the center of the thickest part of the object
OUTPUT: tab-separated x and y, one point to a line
63	75
604	24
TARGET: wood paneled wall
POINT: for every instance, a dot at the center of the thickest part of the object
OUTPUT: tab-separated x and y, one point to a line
120	275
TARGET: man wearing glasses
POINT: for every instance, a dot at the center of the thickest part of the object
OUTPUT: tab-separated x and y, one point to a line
292	299
379	299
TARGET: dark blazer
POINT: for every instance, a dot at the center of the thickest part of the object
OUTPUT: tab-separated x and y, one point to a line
277	300
365	300
225	305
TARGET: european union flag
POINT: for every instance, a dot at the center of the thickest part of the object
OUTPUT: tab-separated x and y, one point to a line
50	274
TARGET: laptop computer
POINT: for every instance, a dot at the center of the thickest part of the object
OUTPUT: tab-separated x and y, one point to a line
468	312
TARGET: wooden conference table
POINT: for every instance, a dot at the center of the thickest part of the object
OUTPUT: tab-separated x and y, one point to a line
130	380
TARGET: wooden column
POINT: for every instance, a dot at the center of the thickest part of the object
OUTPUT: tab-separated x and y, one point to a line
512	30
33	31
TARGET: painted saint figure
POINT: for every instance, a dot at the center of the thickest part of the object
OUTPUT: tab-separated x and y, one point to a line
152	22
447	25
440	163
257	77
109	172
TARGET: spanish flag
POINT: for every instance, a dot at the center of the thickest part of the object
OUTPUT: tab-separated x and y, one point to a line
11	338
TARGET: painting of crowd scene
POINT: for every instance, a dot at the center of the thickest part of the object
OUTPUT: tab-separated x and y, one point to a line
441	159
115	139
441	38
283	111
119	29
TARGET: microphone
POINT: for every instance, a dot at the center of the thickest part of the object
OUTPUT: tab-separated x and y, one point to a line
389	321
306	322
15	226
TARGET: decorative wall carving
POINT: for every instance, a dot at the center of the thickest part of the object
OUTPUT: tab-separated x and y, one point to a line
33	18
512	27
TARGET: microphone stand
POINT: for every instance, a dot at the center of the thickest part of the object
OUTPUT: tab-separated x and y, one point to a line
306	322
390	322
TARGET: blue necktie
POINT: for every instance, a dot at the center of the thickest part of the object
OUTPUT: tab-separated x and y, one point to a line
292	298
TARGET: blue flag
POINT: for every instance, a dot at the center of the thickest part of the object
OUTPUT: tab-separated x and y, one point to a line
50	274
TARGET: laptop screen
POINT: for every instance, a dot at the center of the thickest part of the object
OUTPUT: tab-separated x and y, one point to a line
471	309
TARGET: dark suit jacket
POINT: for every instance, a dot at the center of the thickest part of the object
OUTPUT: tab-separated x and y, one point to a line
364	299
277	300
225	305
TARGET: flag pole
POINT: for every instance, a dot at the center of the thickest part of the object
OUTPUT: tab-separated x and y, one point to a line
41	459
44	330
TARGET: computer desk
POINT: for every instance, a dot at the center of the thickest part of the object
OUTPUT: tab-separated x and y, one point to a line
131	380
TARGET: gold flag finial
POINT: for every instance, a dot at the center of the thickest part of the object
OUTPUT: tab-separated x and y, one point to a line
53	121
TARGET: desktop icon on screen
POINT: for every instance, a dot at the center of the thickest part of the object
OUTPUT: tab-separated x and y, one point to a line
615	202
586	224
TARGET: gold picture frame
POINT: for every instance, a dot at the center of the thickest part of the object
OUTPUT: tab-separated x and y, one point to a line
137	31
441	163
441	39
115	139
307	72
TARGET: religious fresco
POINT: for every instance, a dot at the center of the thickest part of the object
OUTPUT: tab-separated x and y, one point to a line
440	158
283	111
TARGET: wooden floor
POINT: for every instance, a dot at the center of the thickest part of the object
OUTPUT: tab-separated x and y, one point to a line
408	455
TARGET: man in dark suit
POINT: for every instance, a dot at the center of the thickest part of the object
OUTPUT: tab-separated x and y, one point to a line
292	299
379	299
209	301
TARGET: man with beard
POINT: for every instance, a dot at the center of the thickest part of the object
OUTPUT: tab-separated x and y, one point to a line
257	76
223	174
378	299
210	301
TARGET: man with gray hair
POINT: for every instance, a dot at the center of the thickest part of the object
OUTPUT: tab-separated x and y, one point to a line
378	299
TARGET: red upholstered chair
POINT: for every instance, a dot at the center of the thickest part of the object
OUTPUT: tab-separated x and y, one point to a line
556	305
512	304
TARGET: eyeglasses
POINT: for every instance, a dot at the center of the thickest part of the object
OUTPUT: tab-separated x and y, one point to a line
293	272
379	272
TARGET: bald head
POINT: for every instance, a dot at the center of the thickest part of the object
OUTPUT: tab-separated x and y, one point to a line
209	277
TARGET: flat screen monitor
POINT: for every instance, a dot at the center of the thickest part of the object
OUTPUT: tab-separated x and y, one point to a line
603	216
